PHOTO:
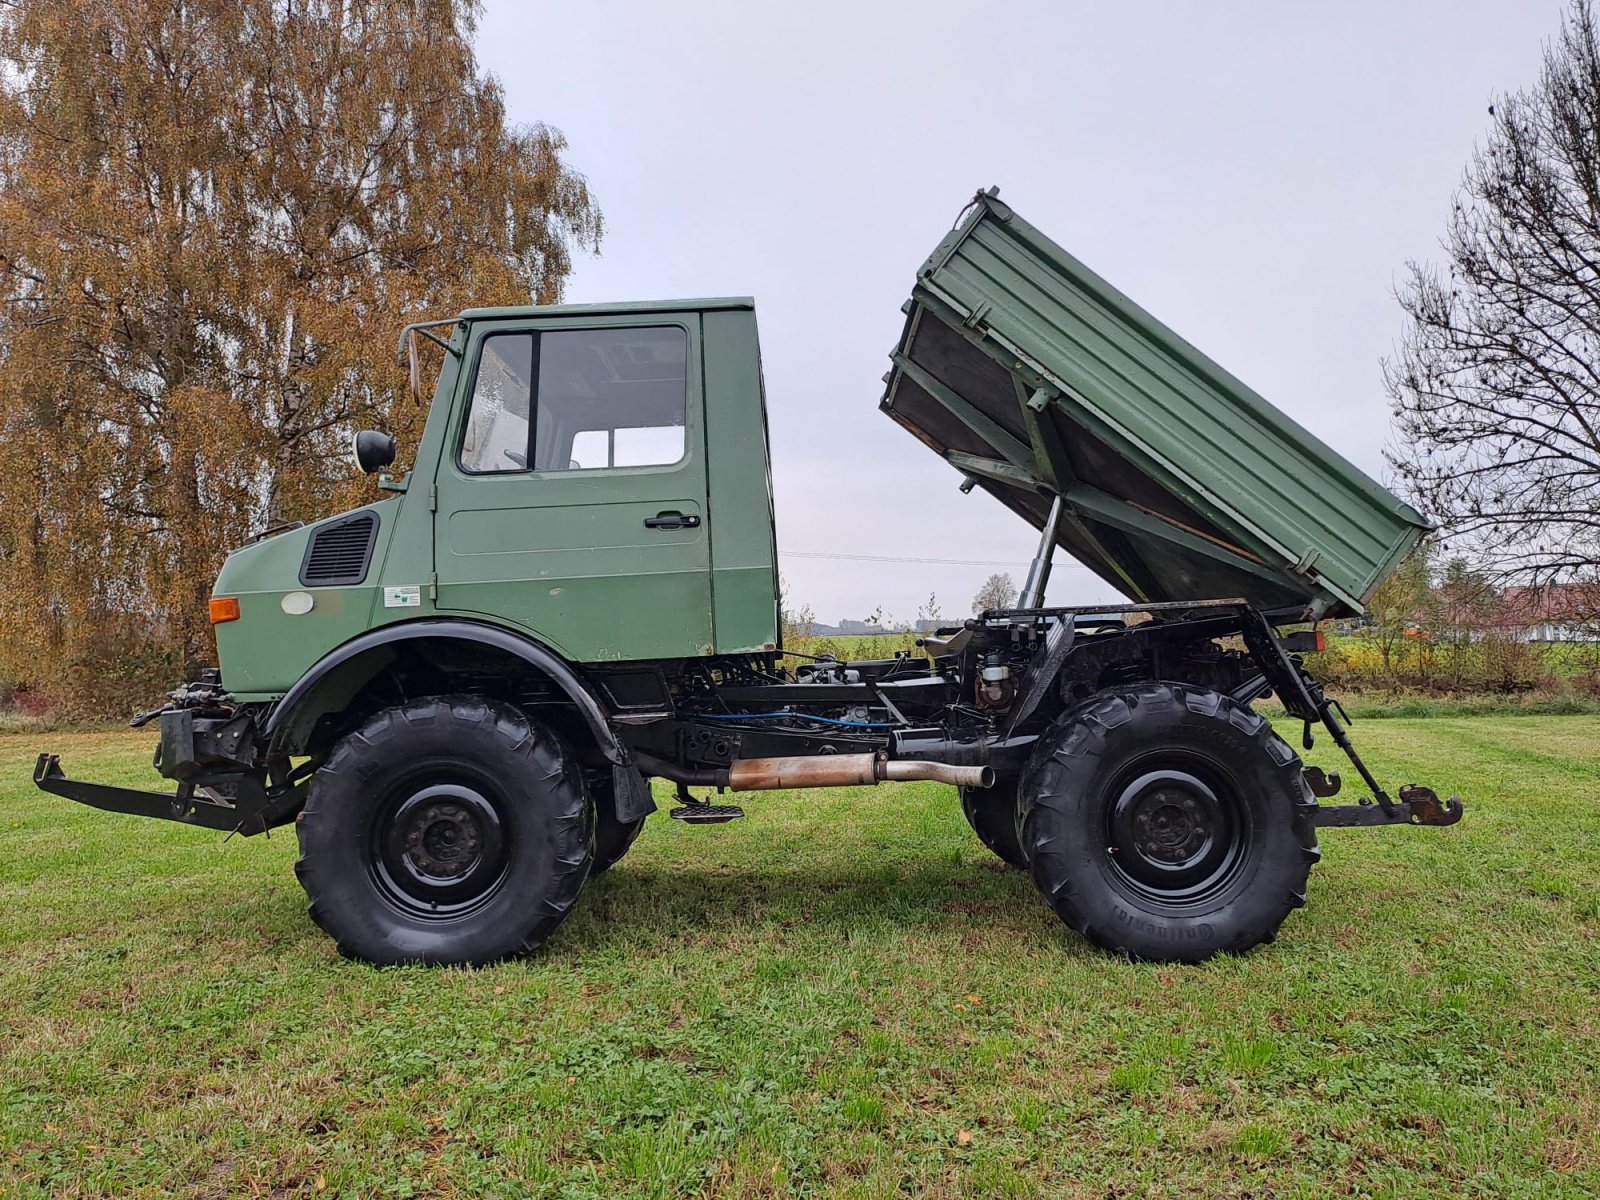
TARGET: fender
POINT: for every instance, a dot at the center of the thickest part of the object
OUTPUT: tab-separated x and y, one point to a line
284	719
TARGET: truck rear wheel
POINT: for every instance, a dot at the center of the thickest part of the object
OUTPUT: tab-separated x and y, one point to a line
1167	823
449	830
992	813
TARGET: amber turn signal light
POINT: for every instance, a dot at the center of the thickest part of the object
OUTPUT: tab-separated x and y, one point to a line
224	608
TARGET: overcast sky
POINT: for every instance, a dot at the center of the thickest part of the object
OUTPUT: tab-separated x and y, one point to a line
1254	174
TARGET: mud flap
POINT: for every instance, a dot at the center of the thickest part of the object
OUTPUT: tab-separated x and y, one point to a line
632	794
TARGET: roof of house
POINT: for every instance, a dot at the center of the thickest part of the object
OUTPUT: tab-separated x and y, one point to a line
1550	603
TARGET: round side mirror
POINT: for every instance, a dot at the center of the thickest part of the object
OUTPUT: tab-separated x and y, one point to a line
372	450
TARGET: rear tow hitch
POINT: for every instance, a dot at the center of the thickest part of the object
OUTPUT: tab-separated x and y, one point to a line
1417	806
1306	699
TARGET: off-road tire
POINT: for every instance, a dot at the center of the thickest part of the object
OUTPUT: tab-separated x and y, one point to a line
992	813
1167	823
612	838
450	830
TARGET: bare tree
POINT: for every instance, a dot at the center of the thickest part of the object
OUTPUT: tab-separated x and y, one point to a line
997	592
1496	383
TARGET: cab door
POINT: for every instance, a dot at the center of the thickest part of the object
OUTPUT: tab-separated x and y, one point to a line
572	489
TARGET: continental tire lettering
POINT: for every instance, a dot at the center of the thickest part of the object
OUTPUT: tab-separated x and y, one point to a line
1172	933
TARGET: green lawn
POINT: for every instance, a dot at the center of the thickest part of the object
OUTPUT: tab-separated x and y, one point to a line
843	995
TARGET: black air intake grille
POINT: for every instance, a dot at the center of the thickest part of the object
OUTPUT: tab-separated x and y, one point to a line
340	551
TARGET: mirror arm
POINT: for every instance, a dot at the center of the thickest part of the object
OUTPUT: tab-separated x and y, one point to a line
408	350
422	327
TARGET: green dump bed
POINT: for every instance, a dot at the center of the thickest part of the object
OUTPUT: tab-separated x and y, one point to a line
1034	377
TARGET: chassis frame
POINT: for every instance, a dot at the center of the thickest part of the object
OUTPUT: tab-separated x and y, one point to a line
980	698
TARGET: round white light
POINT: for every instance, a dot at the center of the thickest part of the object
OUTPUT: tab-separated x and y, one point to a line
298	603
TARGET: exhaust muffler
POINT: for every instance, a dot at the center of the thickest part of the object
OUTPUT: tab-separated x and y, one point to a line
815	771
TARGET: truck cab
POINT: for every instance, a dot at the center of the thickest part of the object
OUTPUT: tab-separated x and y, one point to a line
593	477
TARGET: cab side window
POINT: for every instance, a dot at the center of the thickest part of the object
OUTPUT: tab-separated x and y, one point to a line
610	398
597	398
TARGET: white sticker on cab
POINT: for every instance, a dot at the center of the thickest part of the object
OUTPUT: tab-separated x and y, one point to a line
402	597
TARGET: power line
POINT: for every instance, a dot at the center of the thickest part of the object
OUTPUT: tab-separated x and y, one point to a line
927	562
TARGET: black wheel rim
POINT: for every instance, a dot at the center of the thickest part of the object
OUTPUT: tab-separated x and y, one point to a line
440	847
1177	832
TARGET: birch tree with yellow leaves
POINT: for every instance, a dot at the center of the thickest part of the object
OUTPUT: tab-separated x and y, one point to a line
214	217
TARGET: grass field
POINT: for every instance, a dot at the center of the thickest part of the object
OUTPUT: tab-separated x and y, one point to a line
844	995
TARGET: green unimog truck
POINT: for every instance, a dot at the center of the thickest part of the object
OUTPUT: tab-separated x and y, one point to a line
459	692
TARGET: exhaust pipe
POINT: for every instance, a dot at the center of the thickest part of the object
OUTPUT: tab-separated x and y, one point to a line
814	771
911	769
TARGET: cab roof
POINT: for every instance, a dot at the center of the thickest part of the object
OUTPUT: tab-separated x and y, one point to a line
700	304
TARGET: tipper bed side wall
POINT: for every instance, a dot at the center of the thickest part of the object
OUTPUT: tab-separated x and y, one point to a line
1075	387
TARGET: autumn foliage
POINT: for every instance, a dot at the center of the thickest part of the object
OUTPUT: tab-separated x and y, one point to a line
214	217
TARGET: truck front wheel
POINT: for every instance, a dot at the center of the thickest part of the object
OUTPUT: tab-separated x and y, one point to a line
992	813
1165	822
451	830
613	837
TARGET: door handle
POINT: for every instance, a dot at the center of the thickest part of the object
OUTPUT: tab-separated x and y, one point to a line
672	521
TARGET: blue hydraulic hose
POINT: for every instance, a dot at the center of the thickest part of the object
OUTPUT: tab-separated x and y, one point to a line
793	715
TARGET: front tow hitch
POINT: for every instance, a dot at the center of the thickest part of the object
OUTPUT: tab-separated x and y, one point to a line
235	803
191	809
211	747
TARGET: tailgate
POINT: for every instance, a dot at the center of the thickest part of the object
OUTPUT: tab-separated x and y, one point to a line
1035	377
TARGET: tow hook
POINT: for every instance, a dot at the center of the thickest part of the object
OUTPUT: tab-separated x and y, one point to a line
1427	808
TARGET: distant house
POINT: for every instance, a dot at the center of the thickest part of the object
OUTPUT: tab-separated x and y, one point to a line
859	628
852	628
1556	612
